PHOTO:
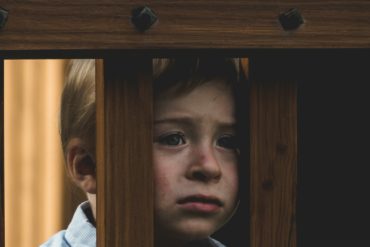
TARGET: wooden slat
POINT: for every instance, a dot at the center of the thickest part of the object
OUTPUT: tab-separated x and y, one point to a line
124	152
81	24
273	169
2	228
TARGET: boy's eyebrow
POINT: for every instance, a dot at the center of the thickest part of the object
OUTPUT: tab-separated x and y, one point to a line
177	120
190	122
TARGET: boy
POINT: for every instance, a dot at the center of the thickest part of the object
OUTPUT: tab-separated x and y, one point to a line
195	153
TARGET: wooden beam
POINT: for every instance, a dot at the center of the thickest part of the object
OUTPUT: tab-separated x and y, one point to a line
2	205
124	152
93	25
273	169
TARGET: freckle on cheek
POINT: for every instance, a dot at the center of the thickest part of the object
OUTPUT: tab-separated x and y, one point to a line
161	184
202	158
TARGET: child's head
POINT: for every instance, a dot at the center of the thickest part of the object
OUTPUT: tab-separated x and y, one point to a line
194	144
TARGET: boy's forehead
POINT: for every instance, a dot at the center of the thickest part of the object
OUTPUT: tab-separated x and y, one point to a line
180	90
208	100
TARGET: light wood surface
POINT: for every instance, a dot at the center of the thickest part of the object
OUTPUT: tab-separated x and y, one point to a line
2	240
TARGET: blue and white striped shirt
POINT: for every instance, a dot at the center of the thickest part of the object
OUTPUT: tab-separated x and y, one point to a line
81	233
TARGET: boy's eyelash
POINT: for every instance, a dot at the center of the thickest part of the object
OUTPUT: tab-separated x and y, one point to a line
171	139
177	138
228	141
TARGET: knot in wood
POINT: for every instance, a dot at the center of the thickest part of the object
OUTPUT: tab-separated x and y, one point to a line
281	148
267	184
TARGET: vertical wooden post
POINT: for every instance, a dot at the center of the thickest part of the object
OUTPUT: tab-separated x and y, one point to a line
124	152
2	205
273	153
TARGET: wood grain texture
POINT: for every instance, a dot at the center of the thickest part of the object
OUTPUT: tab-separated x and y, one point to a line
81	24
2	222
273	168
125	174
100	152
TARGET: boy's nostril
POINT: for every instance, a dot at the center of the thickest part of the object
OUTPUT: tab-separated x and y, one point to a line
204	176
198	175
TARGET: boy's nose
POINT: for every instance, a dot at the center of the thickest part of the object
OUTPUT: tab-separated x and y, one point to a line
205	166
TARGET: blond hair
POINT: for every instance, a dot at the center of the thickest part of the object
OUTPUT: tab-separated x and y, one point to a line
77	116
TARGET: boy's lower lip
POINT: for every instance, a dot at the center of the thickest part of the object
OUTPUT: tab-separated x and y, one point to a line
201	207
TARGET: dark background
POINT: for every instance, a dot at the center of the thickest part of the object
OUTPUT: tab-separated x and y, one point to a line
334	149
333	152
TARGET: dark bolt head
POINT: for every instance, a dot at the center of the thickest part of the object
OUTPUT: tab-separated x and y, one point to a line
291	19
3	17
143	18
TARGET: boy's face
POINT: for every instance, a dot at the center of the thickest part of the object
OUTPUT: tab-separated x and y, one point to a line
195	161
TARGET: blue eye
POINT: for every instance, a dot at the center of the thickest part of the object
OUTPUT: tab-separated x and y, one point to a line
175	139
228	142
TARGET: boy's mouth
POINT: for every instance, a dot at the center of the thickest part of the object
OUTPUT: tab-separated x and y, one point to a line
201	199
200	203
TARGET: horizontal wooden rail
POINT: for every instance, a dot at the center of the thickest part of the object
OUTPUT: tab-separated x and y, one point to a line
81	25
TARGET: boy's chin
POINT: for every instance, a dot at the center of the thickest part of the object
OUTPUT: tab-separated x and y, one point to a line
194	230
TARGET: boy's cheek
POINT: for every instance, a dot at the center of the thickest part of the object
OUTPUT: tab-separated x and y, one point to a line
161	182
162	186
232	182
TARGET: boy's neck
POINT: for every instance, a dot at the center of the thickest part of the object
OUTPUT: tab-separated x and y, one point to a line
167	241
89	214
92	202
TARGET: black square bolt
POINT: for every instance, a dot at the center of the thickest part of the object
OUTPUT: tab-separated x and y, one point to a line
3	17
143	18
291	19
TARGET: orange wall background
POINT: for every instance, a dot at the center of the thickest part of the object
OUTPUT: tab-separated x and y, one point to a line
38	201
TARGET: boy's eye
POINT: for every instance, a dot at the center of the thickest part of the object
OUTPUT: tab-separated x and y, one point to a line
172	139
228	142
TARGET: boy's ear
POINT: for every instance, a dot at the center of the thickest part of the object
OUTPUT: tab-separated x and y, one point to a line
81	165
